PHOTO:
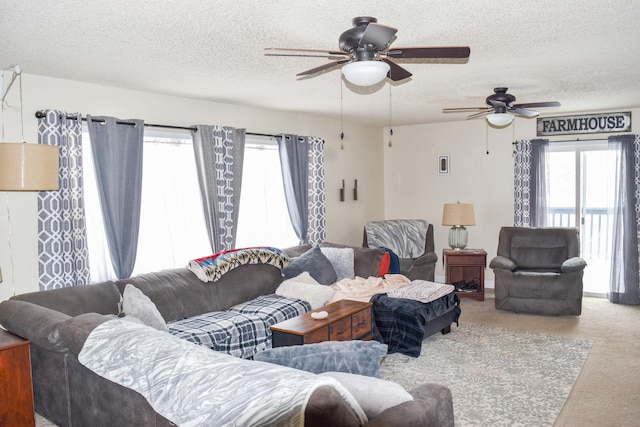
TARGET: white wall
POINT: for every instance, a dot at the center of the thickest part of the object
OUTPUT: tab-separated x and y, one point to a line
360	159
401	181
414	189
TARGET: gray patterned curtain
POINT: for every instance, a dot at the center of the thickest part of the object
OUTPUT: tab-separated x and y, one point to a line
117	156
531	190
62	234
624	286
302	163
219	153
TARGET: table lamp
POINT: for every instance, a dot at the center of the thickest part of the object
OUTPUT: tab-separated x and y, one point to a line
457	215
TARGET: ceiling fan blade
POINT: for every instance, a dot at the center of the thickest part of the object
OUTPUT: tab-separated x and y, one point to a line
462	52
378	35
464	109
538	104
323	67
482	113
524	113
396	72
326	52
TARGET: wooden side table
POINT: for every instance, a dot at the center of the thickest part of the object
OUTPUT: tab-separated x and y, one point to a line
16	390
466	265
347	320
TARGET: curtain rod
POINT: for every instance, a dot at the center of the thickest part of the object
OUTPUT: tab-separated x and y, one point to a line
40	114
569	140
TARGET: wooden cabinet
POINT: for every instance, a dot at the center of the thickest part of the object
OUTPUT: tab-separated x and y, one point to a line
16	391
466	265
346	320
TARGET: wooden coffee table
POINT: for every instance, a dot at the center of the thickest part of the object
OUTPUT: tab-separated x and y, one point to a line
347	320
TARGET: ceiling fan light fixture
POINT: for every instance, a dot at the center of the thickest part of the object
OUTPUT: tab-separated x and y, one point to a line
365	73
500	119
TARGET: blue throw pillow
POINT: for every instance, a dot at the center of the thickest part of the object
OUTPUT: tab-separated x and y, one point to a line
315	263
354	357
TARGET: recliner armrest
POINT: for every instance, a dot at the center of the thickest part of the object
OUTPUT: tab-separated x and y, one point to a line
573	264
503	263
426	258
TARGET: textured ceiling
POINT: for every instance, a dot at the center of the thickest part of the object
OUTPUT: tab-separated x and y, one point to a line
584	54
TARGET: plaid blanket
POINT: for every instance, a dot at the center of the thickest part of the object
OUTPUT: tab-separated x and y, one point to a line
273	308
243	330
401	322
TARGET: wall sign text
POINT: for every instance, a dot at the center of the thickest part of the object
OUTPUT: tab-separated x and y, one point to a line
588	123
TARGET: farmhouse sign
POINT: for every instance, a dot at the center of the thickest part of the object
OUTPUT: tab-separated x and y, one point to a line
589	123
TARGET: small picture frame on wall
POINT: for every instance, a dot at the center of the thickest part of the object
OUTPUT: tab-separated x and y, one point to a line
443	165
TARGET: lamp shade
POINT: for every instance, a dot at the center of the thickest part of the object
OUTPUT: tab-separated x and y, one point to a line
500	119
458	214
365	73
28	167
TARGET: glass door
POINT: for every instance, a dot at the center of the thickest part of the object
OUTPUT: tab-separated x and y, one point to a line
580	195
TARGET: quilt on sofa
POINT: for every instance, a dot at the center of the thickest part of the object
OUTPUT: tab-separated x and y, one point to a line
243	330
193	386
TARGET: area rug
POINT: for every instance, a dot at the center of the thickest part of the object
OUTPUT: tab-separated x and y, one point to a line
498	377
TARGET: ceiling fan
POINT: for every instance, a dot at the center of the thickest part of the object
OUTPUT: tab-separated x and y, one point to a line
367	57
502	107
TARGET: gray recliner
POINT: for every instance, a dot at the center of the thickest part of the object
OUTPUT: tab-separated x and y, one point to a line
410	239
539	271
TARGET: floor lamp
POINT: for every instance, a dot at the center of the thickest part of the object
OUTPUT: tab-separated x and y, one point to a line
25	167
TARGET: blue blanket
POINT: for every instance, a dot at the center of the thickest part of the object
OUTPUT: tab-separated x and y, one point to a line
401	322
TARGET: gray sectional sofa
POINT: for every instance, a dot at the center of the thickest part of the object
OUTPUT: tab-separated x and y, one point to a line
58	322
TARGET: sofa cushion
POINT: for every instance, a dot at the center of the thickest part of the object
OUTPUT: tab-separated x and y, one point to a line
273	308
373	394
356	357
314	262
305	288
137	304
342	261
237	334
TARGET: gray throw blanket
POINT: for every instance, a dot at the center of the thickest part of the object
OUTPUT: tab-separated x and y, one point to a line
191	385
405	237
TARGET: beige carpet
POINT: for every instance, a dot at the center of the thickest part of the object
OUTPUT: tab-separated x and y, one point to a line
607	390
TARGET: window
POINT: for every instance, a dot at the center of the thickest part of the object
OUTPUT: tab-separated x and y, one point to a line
264	219
172	227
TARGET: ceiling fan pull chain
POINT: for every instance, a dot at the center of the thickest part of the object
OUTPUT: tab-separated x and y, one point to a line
341	117
390	118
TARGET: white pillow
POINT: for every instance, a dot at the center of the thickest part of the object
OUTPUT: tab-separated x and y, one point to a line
342	261
305	287
373	394
137	304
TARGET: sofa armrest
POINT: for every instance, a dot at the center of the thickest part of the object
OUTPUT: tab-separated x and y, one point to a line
503	263
34	322
432	406
74	331
573	264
